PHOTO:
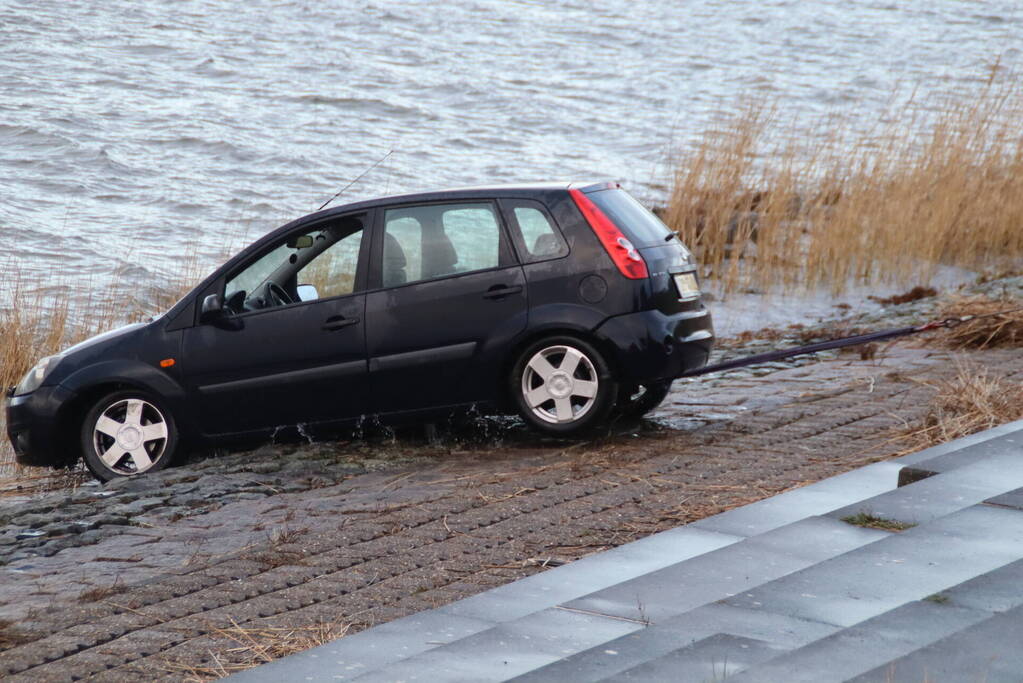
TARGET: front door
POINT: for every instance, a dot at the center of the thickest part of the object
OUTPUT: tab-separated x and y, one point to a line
290	350
450	299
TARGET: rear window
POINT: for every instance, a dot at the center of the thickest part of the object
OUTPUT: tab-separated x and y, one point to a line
641	227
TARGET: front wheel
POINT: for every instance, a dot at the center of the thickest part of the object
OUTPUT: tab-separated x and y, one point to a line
127	433
562	385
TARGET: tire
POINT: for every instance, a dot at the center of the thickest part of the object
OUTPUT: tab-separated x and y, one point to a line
636	401
562	386
128	433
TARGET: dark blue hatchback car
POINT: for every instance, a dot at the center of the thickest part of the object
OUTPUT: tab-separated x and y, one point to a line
567	304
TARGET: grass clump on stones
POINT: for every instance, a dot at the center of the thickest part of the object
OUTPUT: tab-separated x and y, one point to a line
11	636
1004	330
871	521
969	402
249	646
98	593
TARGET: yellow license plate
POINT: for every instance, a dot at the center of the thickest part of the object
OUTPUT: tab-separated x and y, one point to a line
686	284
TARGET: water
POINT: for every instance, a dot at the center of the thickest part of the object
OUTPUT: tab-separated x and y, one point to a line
134	133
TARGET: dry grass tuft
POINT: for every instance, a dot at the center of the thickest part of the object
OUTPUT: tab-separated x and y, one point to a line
971	401
1005	330
767	203
98	593
253	646
11	636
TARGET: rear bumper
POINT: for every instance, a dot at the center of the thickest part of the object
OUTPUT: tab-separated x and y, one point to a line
652	346
32	426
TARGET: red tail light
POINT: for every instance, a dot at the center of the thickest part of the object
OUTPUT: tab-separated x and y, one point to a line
628	259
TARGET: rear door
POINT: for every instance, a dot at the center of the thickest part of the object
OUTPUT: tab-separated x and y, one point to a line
450	298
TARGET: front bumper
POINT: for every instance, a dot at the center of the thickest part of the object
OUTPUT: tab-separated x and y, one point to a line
33	426
652	346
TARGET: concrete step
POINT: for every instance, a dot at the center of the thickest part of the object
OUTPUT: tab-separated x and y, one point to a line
817	607
929	639
989	651
1007	439
978	475
711	659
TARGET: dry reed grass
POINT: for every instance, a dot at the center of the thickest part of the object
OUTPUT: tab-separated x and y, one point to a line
11	635
254	646
1003	330
764	203
971	401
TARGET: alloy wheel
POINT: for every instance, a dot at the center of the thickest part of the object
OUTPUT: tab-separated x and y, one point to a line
560	384
130	436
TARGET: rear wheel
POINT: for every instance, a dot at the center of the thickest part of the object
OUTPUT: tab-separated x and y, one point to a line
636	401
562	385
127	433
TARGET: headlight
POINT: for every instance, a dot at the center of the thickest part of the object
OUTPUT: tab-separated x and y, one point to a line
36	375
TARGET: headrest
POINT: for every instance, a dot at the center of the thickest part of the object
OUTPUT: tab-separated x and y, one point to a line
394	255
439	256
545	245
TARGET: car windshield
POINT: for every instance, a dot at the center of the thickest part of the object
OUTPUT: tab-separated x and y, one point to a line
256	274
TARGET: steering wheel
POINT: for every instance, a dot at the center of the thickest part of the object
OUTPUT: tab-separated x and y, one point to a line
236	302
277	296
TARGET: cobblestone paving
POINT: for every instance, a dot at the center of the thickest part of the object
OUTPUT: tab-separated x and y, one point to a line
139	580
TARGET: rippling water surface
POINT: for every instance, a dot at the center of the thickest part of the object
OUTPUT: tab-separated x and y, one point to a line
134	133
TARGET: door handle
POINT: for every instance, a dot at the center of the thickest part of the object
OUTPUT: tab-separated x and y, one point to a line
500	291
338	322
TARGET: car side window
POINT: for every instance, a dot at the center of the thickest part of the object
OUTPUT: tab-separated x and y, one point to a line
333	271
534	233
437	240
316	264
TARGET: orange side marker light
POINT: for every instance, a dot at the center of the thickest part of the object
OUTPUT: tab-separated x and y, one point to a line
167	362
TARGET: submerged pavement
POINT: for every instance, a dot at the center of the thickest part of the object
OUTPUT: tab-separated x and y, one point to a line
787	588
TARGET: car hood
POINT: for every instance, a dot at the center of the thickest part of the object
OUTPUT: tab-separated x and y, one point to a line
101	338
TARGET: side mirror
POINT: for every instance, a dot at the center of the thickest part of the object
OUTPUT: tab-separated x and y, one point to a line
307	293
212	309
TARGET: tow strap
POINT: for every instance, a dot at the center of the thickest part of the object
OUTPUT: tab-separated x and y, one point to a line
840	343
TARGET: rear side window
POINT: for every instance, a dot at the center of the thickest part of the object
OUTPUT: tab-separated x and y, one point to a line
437	240
535	236
643	228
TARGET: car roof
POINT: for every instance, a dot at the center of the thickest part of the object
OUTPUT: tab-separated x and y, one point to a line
466	192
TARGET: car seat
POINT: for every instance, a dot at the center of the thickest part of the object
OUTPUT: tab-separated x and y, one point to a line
439	256
394	262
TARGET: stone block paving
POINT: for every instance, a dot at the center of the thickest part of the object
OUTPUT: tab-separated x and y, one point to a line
333	535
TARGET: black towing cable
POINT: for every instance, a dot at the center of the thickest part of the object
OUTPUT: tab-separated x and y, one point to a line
840	343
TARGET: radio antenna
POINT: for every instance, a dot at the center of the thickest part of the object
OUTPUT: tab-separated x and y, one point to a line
357	179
